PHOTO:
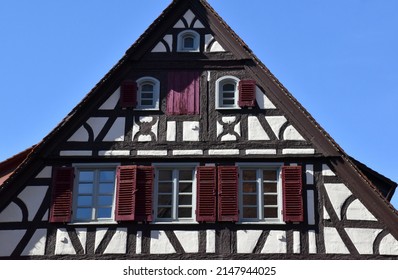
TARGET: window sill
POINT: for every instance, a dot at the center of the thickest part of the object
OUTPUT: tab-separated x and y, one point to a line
146	109
261	223
93	223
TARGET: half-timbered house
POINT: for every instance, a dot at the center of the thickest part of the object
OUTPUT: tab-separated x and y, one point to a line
190	148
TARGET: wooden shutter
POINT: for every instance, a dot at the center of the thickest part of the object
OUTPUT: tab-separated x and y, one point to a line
128	94
206	194
292	194
144	193
228	193
125	193
183	93
247	93
61	200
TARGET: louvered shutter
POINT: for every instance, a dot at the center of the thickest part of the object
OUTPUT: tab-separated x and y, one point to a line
128	94
206	194
247	93
144	193
228	194
125	193
61	200
292	194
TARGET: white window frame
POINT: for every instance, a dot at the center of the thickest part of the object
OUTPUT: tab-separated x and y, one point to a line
156	93
259	167
178	166
219	101
87	166
188	33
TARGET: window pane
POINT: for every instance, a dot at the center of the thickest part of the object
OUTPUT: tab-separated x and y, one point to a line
250	200
84	201
249	175
186	175
165	188
164	212
188	42
104	213
185	212
165	175
146	102
185	200
185	187
270	212
270	200
86	176
107	176
270	187
269	175
165	200
228	87
85	189
147	95
228	102
229	95
105	200
147	87
83	213
249	212
106	188
249	187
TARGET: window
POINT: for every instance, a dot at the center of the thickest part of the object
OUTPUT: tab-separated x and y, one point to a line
260	193
94	194
188	41
227	93
175	193
148	93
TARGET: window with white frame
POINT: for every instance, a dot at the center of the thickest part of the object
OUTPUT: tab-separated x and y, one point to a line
94	194
175	196
227	93
148	93
188	41
260	194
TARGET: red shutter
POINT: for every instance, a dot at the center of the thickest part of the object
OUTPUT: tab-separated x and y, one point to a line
228	193
206	194
61	200
144	193
292	194
183	93
247	93
125	193
128	94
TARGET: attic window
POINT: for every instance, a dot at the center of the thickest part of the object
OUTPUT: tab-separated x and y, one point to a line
188	41
227	93
148	93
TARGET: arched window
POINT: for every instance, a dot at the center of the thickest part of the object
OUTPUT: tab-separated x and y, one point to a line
227	92
148	93
188	41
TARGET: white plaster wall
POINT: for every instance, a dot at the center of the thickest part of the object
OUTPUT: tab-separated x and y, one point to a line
255	130
333	242
260	152
72	153
311	242
80	135
97	124
12	213
310	207
309	174
37	244
363	238
190	131
169	40
118	243
179	24
338	193
114	153
296	242
224	152
160	244
388	246
208	38
326	171
111	102
189	240
171	131
187	152
189	16
247	240
276	243
357	211
151	153
210	241
291	133
262	100
45	173
298	151
33	197
138	243
198	24
116	132
276	123
9	239
160	47
216	47
63	244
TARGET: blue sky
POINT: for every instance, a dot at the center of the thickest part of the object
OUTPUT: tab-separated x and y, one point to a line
338	58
